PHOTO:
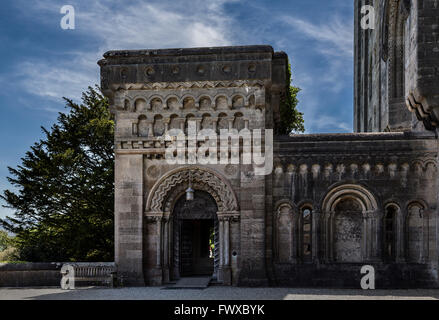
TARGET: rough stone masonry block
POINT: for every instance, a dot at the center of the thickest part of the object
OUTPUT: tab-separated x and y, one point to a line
129	216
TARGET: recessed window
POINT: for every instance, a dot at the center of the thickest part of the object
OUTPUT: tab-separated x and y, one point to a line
307	234
390	233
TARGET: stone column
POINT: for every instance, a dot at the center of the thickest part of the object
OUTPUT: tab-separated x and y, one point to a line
378	237
425	235
225	272
315	235
328	245
400	240
166	248
221	248
159	242
365	247
295	240
227	242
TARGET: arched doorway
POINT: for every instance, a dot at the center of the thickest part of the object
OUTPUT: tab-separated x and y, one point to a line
159	211
195	237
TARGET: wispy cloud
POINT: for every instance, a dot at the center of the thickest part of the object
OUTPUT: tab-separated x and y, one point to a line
330	42
68	79
333	38
112	25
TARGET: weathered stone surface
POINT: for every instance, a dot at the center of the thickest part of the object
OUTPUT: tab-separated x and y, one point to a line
367	198
396	67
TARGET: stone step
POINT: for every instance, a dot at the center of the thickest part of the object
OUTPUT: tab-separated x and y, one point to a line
191	283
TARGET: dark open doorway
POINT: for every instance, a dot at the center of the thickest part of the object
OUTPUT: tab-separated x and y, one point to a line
196	251
195	238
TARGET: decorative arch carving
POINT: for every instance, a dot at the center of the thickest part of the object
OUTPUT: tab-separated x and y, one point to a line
392	221
361	194
159	199
155	99
285	231
222	96
417	231
349	221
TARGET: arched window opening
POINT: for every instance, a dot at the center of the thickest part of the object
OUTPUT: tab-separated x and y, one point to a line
284	233
390	229
306	215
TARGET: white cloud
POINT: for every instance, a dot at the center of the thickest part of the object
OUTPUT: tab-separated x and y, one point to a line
139	24
331	42
53	81
114	25
334	38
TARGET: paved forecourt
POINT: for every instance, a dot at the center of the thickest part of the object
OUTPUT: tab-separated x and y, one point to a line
212	293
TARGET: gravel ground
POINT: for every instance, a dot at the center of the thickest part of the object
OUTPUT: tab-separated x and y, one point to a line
213	293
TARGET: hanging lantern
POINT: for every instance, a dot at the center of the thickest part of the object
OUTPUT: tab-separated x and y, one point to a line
189	194
189	191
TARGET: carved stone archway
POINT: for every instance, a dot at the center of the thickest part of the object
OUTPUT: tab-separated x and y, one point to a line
204	178
370	220
160	205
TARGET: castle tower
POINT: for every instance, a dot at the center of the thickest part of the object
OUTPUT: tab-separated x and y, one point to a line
397	66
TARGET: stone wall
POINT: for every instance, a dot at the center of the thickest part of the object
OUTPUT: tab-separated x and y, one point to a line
153	92
373	172
396	66
333	202
30	274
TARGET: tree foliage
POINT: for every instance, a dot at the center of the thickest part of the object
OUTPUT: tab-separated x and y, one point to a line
5	240
64	199
291	119
7	249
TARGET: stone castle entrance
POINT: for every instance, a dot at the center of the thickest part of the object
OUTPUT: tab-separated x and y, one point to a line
195	238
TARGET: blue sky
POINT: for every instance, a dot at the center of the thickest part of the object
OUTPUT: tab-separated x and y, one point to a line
40	62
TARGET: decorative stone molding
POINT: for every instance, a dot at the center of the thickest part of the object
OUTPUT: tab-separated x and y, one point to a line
206	179
190	85
364	196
